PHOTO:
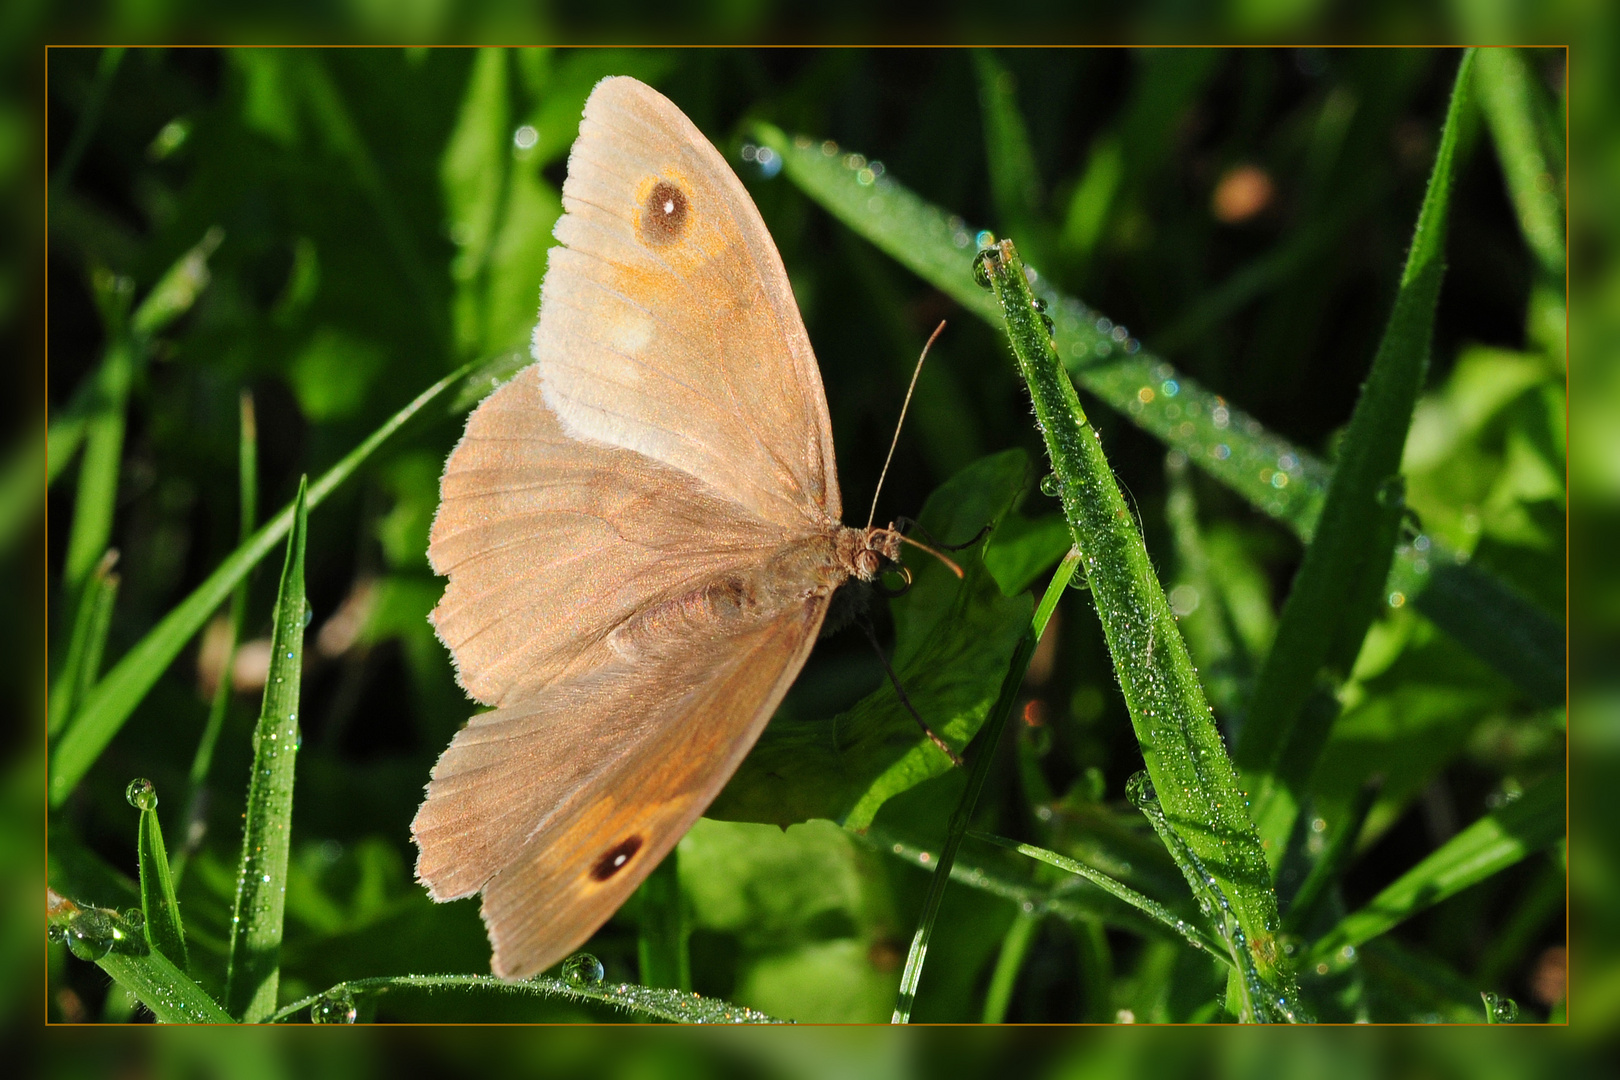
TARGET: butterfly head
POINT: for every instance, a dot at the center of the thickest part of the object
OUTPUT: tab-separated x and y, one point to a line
875	550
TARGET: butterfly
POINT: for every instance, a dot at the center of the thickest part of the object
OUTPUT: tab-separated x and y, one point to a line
642	534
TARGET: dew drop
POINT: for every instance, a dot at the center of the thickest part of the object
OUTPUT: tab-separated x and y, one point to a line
142	794
56	933
309	614
1499	1009
91	934
135	919
981	267
333	1007
582	969
1139	790
1046	321
1051	486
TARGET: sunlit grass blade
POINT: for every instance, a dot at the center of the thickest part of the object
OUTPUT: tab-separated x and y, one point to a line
1278	478
164	930
1488	846
1195	935
82	664
339	1003
261	883
1337	591
1184	752
110	703
982	754
177	290
1507	92
107	938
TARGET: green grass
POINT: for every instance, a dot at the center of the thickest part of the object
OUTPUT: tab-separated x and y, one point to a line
1295	748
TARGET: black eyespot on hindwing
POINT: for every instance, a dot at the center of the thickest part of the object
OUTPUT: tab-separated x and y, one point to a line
616	858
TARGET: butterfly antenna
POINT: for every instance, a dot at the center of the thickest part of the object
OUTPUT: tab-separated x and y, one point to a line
949	562
871	635
896	440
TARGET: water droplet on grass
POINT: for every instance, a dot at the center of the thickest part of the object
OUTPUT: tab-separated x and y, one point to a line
582	969
333	1007
142	794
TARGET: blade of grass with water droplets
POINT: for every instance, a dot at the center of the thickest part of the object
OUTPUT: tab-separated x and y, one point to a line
147	974
164	930
663	1004
1180	744
111	701
1195	935
1338	590
261	881
983	751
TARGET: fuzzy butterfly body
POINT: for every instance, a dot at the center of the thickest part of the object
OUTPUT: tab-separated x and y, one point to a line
641	535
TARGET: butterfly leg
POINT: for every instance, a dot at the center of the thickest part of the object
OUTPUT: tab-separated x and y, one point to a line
871	635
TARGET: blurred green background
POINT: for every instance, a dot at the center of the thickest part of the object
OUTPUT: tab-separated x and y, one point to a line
1244	213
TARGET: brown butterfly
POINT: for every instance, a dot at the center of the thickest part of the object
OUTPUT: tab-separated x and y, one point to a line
641	532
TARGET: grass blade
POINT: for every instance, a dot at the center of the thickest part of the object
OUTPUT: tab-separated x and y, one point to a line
1275	476
663	1004
247	459
1332	860
104	936
82	664
1185	755
1488	846
111	702
96	493
261	883
989	735
1015	182
661	942
164	930
1014	947
1195	935
1506	95
1335	595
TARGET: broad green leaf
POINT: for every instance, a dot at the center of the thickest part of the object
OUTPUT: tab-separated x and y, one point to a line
1490	845
112	700
261	882
952	642
1340	586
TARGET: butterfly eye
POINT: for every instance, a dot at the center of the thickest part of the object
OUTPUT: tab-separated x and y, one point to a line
616	858
663	215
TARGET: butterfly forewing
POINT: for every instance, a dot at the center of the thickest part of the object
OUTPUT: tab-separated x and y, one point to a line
667	325
640	533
